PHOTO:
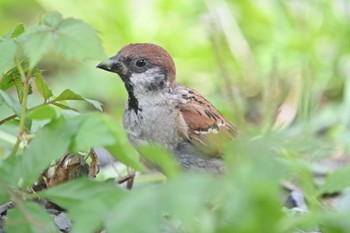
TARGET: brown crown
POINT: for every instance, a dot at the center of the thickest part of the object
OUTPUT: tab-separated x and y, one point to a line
154	53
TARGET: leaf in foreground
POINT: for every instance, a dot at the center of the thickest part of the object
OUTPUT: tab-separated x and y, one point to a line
93	132
8	52
88	202
43	112
37	41
51	143
43	88
77	191
72	38
71	95
11	102
121	149
137	206
29	217
161	158
337	181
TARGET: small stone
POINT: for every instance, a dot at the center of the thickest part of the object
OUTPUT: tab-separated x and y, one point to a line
62	222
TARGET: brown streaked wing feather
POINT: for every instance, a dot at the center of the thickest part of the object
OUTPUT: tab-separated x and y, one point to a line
206	127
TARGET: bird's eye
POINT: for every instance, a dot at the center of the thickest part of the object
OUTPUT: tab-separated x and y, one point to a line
141	63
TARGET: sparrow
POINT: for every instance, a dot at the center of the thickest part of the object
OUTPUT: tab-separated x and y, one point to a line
159	110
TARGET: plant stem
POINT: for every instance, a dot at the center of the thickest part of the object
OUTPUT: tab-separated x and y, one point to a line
22	120
30	109
15	147
8	119
25	97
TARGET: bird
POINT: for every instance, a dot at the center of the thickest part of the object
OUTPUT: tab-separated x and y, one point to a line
161	111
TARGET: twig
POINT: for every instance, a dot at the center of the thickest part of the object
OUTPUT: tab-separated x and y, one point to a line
8	119
30	109
5	207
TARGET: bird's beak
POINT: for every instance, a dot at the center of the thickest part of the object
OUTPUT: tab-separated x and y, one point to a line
113	65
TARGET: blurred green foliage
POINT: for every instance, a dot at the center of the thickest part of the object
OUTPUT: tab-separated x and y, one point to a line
279	70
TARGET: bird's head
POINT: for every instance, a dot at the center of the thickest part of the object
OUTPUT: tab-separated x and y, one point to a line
143	67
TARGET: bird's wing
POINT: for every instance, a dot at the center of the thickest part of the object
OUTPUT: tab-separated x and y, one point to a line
202	124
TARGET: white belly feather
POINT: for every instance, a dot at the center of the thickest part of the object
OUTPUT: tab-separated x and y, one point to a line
155	124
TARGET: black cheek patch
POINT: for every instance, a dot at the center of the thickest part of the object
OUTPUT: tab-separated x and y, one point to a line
157	84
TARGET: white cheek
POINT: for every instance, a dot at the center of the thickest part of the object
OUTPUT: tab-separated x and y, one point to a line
138	79
141	83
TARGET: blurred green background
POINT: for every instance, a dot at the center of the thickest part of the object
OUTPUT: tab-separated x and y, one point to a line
267	65
262	63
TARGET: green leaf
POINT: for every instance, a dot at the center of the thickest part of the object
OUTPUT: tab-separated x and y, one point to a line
77	40
101	130
63	106
95	211
6	82
197	191
7	55
70	95
93	132
29	217
43	88
13	77
52	19
337	181
122	149
71	37
37	41
76	191
50	143
9	79
11	102
20	89
88	202
18	30
160	158
134	206
9	171
4	193
43	112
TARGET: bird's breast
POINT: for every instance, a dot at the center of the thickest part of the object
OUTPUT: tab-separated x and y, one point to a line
156	124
